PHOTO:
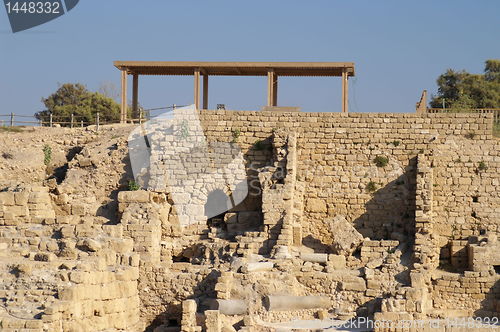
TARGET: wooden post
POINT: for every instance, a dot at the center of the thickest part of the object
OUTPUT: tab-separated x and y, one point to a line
72	119
12	119
123	109
205	91
97	121
81	123
135	94
345	92
50	120
275	90
140	117
197	88
271	89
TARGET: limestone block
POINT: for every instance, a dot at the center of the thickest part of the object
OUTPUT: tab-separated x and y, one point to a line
337	262
282	252
213	321
89	245
297	235
78	209
314	257
39	198
354	285
16	211
317	205
257	267
373	264
288	302
7	198
345	238
21	198
138	196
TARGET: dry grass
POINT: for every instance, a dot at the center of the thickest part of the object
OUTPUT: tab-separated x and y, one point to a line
11	129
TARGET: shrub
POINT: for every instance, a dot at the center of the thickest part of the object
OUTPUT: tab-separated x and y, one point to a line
396	143
470	135
47	154
133	186
84	104
235	133
371	187
381	161
7	155
482	166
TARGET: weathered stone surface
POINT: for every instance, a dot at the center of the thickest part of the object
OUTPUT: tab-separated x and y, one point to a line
138	196
288	302
230	307
317	205
337	262
375	263
257	267
313	257
89	245
345	238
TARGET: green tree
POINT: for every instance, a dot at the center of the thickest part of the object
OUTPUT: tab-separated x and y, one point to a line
76	99
462	90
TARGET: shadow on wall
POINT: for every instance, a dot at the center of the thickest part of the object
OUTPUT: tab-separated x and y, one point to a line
316	244
109	210
490	305
236	219
390	213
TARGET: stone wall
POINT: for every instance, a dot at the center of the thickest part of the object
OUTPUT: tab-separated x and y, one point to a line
466	186
83	272
336	161
473	294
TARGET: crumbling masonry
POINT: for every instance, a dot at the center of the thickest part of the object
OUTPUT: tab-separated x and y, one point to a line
387	216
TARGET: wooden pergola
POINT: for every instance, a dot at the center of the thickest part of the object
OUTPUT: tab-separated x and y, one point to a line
270	69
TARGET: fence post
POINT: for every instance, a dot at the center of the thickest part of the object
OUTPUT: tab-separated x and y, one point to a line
82	123
140	117
72	118
50	120
97	121
12	119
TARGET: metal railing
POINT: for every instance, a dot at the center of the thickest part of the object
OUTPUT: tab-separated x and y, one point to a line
495	111
13	119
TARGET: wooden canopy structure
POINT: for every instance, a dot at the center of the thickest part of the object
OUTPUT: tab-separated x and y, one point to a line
270	69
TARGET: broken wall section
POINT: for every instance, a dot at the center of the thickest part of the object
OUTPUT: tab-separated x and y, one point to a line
280	206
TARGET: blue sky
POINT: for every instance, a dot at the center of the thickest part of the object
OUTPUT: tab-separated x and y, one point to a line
399	49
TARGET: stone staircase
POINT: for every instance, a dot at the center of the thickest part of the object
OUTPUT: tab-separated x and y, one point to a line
252	243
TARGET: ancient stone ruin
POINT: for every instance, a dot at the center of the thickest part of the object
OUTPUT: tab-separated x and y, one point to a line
380	216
